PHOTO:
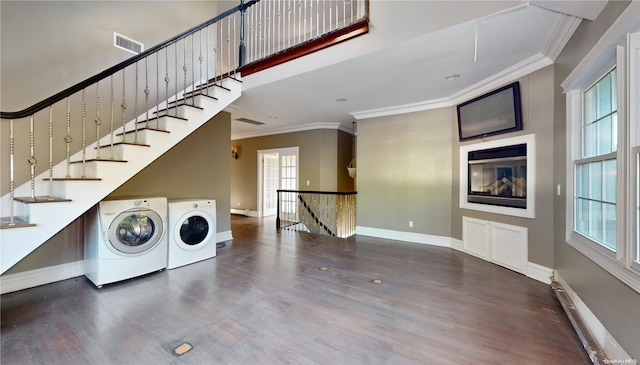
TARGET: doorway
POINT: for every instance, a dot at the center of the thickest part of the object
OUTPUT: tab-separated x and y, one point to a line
277	169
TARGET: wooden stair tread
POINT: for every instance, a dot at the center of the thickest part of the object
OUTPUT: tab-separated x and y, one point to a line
97	160
210	84
170	116
41	199
197	93
76	179
126	143
145	129
182	102
5	223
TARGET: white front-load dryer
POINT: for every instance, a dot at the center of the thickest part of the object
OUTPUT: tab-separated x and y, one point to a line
192	235
125	238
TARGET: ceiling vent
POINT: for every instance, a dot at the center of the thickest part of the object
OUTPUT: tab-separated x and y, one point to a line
127	44
245	120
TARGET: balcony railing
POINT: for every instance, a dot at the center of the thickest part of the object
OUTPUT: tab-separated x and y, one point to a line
318	212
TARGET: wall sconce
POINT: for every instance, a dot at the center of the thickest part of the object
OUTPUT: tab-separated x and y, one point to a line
234	152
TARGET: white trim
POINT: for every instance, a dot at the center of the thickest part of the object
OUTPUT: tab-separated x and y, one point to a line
291	129
285	151
223	236
564	28
540	273
596	253
46	275
457	244
506	76
609	345
530	211
534	271
602	52
509	75
403	109
608	51
412	237
246	212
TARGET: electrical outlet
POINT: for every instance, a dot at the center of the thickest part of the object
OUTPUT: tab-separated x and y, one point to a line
410	224
558	189
238	203
308	182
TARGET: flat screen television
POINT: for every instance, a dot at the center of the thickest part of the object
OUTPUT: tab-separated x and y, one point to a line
494	113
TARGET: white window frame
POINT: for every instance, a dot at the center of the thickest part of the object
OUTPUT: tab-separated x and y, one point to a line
613	49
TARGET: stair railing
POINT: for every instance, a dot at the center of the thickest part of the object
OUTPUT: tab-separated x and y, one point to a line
134	94
319	212
120	102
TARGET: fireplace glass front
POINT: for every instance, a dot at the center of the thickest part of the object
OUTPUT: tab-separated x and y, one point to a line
498	176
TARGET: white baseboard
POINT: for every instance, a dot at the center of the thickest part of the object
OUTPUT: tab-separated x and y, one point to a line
457	244
539	272
46	275
534	271
223	236
245	212
609	345
405	236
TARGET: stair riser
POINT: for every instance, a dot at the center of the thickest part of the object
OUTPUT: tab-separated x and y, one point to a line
144	136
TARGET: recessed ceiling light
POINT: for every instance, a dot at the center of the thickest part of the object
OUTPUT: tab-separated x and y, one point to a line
452	77
342	100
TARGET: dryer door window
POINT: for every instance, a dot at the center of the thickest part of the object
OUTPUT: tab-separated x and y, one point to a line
194	230
197	230
135	231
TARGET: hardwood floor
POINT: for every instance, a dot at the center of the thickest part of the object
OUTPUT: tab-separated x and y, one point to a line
264	300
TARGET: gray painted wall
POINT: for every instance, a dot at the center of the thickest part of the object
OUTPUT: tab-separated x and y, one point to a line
322	153
536	92
404	172
615	304
75	38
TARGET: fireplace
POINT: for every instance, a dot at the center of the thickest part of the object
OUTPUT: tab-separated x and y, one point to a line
498	176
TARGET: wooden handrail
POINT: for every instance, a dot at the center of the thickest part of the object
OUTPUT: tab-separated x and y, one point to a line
308	47
112	70
317	192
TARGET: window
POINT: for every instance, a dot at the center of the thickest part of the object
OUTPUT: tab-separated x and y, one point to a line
603	151
595	206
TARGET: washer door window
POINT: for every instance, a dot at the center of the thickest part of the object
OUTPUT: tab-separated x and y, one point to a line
195	230
135	231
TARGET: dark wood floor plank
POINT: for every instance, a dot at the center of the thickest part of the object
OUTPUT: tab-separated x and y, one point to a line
264	300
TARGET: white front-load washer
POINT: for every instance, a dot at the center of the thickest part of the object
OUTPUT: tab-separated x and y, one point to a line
125	238
192	235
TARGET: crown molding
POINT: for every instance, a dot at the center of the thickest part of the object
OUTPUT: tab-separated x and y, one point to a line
291	129
402	109
563	29
511	74
604	49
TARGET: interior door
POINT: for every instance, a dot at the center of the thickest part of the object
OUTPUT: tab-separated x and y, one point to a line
270	184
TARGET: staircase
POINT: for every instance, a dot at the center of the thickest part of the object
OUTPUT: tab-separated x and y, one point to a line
178	85
38	220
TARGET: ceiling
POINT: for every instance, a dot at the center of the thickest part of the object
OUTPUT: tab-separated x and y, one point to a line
402	64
